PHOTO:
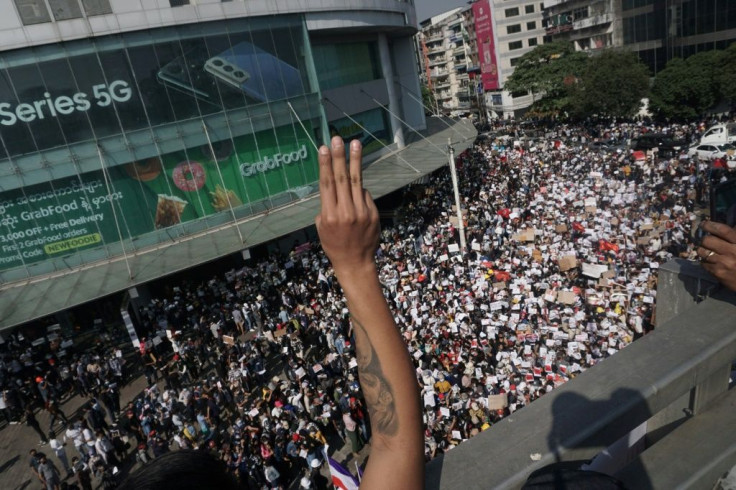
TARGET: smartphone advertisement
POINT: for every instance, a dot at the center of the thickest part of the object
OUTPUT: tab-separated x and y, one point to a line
53	103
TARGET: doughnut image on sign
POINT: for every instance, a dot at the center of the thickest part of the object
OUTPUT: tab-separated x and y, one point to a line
144	171
168	210
189	176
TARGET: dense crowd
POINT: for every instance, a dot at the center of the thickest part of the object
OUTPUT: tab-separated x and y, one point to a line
564	241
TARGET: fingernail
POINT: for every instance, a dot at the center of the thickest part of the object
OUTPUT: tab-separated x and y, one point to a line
323	150
355	145
337	142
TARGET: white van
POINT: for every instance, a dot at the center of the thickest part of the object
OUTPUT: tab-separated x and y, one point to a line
720	134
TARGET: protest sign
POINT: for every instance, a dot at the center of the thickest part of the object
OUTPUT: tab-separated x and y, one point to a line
567	262
498	402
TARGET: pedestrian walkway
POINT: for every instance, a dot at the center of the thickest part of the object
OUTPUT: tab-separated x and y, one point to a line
17	440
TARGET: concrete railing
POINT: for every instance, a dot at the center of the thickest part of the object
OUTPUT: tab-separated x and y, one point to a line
675	380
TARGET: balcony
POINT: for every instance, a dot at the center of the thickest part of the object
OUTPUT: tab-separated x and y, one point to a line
438	49
592	21
440	60
439	73
669	388
558	29
554	3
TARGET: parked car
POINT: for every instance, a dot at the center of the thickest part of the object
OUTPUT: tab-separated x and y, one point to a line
711	152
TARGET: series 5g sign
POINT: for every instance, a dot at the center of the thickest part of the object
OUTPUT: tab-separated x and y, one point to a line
49	107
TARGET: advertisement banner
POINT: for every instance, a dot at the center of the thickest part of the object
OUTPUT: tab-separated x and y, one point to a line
486	46
67	215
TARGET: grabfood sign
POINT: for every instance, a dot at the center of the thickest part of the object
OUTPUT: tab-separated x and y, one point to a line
49	106
274	161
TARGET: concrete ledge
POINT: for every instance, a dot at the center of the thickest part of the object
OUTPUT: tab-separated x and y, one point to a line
693	456
681	285
584	416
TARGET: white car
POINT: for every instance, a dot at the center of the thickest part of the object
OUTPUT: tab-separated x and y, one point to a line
711	152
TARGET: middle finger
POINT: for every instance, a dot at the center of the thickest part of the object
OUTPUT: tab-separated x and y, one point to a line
340	171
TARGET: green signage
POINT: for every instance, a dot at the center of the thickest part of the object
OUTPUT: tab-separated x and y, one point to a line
65	216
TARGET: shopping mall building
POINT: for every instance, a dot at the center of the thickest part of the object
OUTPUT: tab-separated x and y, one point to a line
142	137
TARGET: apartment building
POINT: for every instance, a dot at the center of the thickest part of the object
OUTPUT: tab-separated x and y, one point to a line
517	28
448	53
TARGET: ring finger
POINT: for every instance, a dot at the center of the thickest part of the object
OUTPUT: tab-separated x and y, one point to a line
706	255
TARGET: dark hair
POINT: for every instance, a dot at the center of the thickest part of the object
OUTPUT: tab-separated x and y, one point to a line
183	470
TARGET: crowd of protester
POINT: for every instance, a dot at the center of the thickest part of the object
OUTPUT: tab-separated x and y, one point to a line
564	241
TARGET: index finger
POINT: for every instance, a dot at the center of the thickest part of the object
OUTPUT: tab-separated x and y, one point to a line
326	178
720	230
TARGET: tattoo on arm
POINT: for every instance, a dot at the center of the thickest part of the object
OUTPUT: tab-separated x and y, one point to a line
377	391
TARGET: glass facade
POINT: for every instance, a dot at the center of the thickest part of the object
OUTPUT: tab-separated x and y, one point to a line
114	144
371	127
336	63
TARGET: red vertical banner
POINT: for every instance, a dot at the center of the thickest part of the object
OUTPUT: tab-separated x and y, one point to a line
425	57
486	46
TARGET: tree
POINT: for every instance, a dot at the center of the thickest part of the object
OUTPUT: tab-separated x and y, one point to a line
430	103
727	77
550	70
686	88
613	83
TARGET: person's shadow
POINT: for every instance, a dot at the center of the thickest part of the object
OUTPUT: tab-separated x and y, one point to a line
9	463
616	424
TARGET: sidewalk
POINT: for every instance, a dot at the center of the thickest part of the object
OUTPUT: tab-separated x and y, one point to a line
17	440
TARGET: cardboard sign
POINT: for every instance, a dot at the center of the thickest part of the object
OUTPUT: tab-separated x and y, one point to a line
498	402
249	336
525	236
499	285
280	333
561	228
300	372
225	338
453	248
566	297
567	262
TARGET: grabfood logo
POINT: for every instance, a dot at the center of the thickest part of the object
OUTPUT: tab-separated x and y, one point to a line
102	95
274	161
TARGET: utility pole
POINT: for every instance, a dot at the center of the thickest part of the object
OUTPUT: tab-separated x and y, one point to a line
456	191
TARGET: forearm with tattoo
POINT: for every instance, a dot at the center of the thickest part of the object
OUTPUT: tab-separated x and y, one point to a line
377	391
